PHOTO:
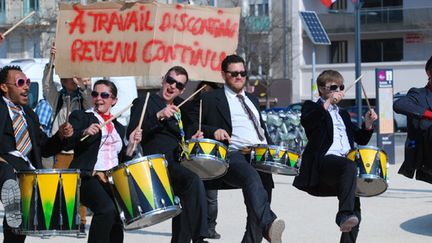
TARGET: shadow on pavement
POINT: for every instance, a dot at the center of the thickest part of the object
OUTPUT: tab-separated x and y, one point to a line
420	225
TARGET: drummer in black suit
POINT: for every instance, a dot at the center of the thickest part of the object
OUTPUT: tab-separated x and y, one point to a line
100	152
23	143
165	133
232	116
325	170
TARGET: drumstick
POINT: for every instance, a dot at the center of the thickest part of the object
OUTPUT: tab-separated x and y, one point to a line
18	23
142	116
349	87
110	120
355	81
68	107
367	100
200	115
192	95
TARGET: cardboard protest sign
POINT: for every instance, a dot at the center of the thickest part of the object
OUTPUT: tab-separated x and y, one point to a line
144	39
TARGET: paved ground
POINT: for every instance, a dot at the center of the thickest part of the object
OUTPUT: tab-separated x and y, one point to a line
402	214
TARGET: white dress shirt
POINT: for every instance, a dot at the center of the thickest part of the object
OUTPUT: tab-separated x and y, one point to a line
340	144
243	131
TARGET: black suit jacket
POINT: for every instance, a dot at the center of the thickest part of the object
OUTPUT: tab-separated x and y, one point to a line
418	155
318	126
215	115
159	137
85	152
41	144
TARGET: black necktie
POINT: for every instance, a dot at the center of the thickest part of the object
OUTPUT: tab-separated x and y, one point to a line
251	116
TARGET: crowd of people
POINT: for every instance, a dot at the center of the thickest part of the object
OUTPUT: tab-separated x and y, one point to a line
76	127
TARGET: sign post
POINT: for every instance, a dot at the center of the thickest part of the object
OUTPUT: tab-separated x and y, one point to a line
384	91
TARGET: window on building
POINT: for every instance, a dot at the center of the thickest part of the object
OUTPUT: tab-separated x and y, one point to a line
2	11
382	11
339	52
339	5
382	50
259	8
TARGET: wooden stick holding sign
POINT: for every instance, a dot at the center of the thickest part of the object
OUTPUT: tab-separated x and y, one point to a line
110	120
142	116
18	23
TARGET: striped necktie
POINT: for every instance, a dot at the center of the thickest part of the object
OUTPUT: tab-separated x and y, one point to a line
251	116
22	137
184	152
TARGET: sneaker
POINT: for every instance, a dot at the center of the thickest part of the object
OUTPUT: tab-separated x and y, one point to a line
82	231
275	231
349	223
11	198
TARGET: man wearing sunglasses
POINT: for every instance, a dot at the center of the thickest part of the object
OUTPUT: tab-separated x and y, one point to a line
163	133
232	116
23	143
325	170
74	95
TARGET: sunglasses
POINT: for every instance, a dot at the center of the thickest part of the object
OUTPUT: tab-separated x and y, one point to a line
20	82
334	87
235	73
103	95
170	80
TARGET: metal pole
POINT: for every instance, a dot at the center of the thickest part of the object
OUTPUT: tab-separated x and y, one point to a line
313	72
284	6
358	90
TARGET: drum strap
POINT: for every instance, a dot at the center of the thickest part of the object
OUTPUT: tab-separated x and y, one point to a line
184	152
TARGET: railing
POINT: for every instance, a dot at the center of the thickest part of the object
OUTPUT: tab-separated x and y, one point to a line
378	19
258	23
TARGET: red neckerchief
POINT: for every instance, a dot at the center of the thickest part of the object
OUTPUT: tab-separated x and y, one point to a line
106	118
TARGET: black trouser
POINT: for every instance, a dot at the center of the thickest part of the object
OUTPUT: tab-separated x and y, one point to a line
259	215
191	223
106	226
6	173
338	177
212	204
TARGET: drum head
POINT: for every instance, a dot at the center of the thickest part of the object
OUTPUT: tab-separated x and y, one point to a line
206	167
369	187
275	168
153	217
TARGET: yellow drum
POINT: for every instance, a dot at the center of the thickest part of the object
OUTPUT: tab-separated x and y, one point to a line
142	192
275	159
372	170
49	202
207	158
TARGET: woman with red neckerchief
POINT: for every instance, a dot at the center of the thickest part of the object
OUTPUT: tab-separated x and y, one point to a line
101	151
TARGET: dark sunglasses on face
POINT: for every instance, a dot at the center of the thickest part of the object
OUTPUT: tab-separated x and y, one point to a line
20	82
235	73
334	87
103	95
170	80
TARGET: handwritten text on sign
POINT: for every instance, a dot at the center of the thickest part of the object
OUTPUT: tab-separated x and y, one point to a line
144	39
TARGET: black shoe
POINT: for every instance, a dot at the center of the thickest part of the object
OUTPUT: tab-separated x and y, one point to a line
200	240
213	234
11	198
82	233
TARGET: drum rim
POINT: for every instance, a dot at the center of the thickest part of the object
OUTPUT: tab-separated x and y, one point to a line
367	147
272	145
50	171
207	140
137	160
